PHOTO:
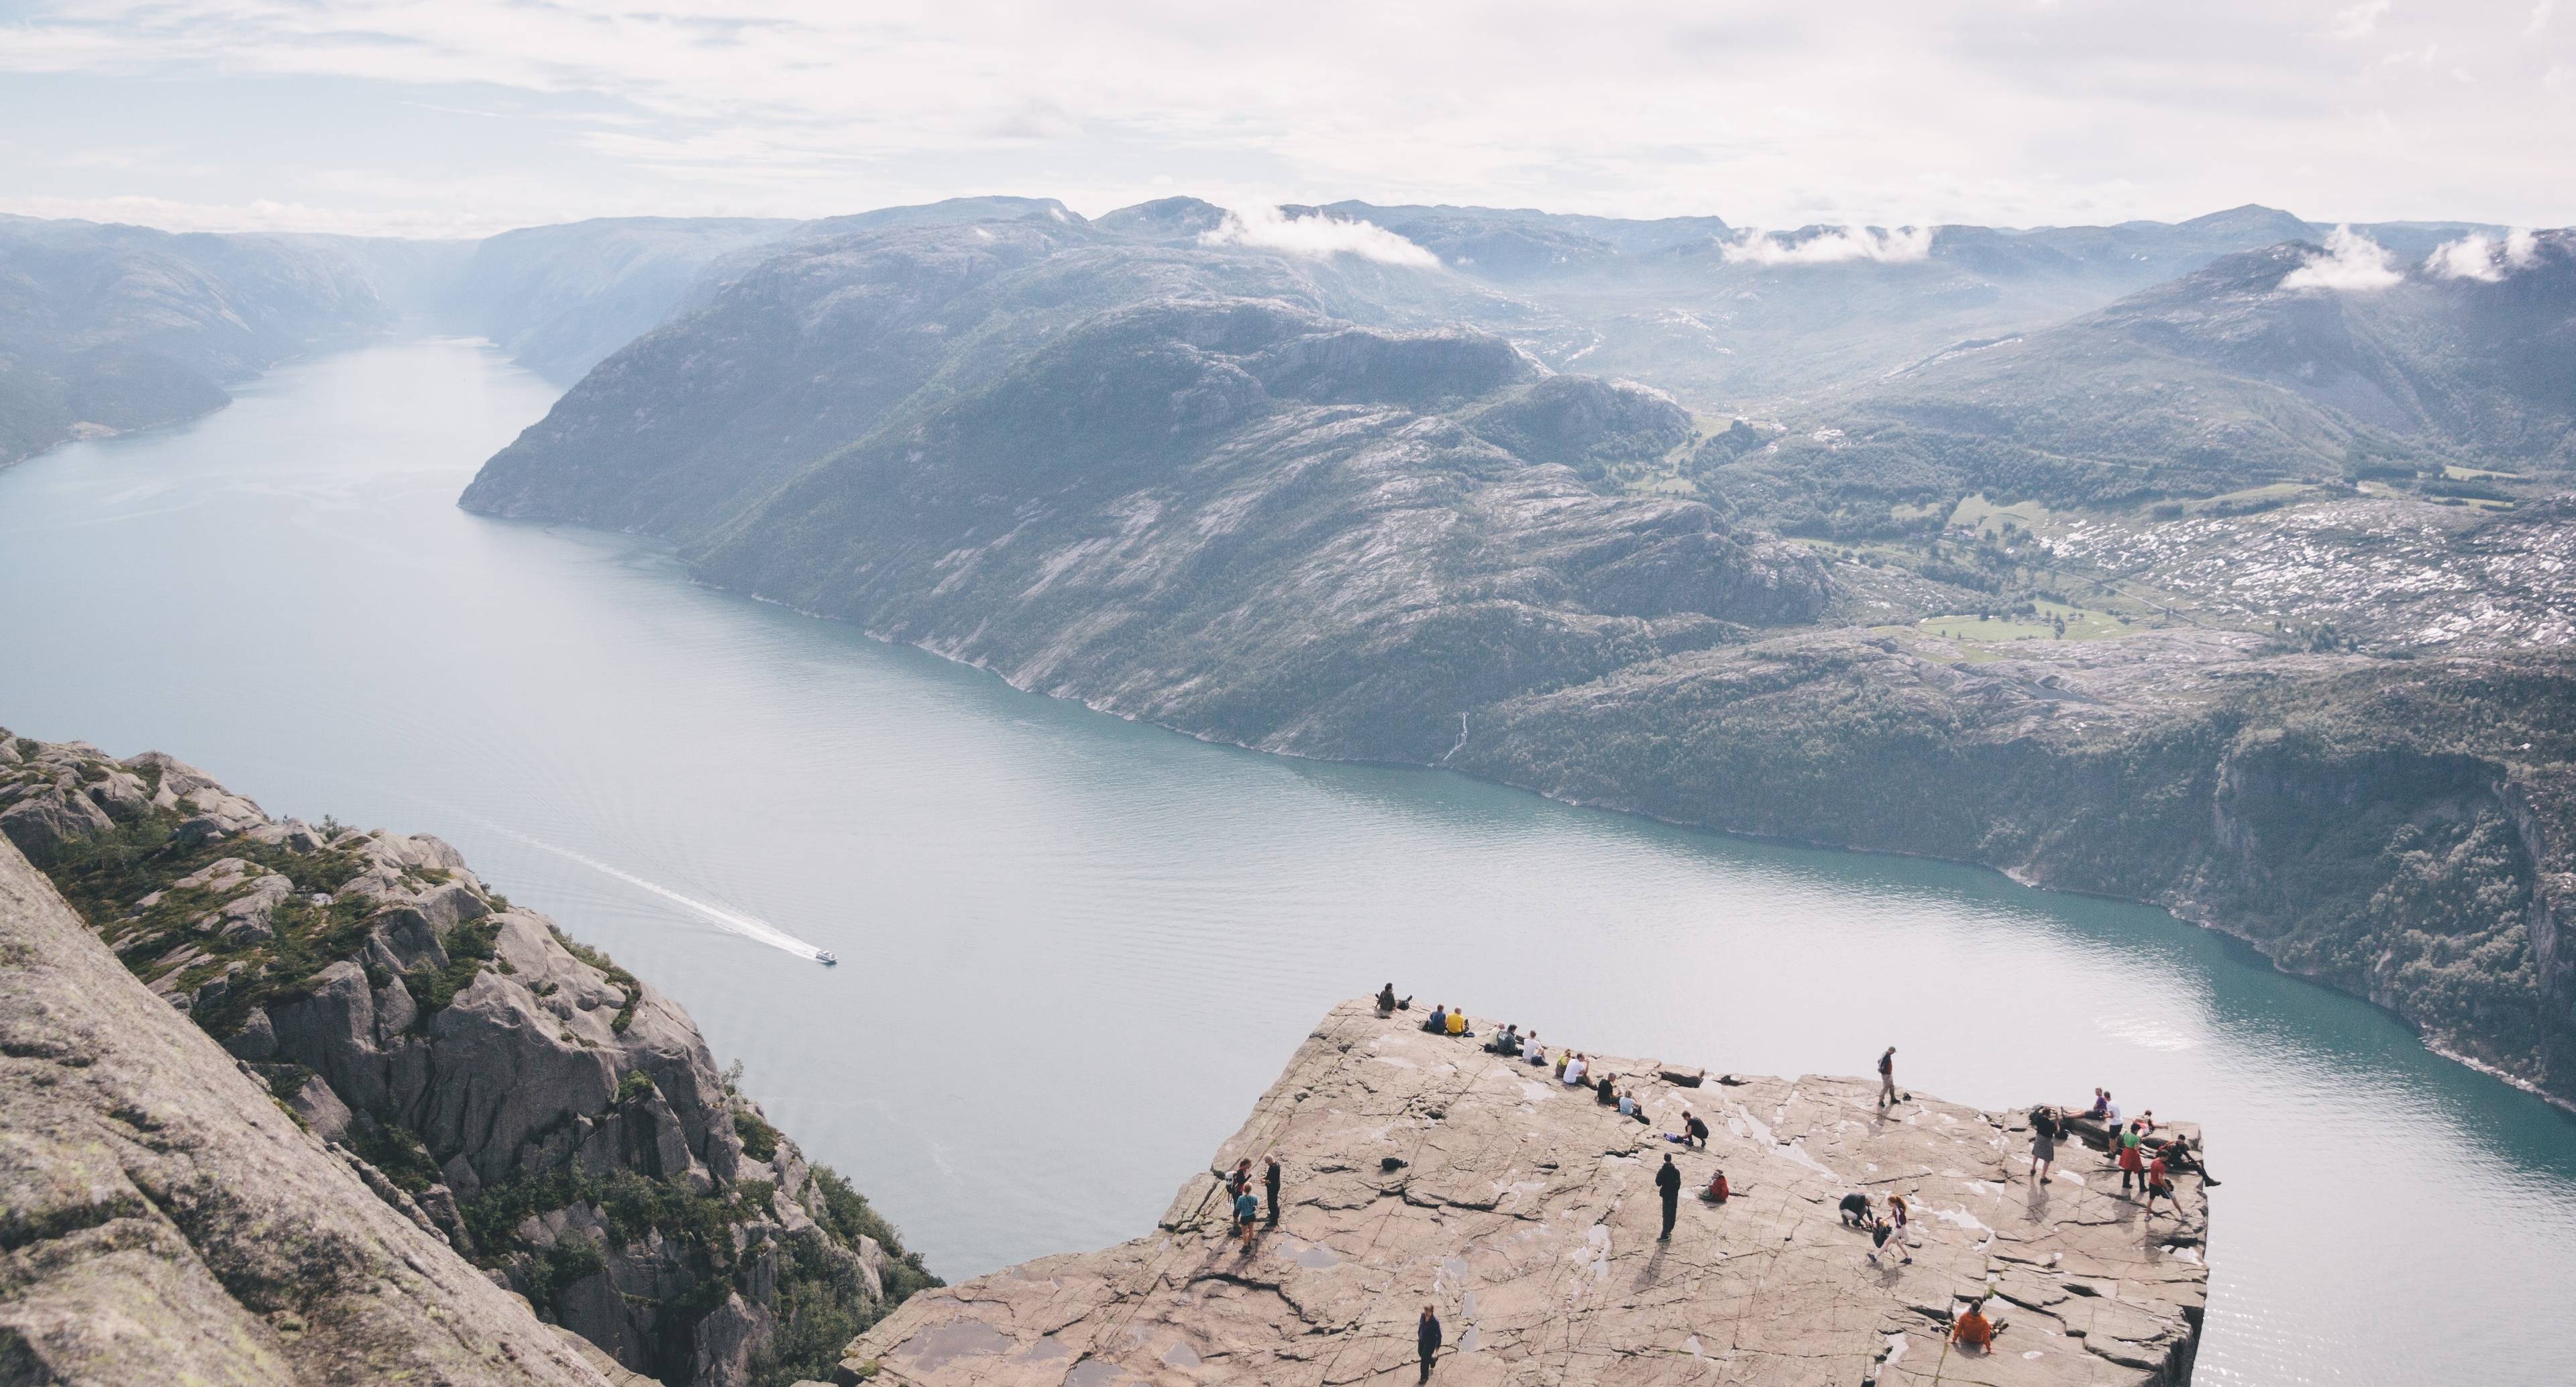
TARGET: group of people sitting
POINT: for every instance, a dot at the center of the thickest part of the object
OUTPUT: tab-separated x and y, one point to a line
1572	1068
2144	1160
1445	1020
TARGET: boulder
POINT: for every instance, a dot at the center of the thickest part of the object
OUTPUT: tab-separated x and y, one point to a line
43	822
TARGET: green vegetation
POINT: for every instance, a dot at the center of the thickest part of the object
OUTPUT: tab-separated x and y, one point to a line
617	977
574	1257
104	875
2037	620
396	1150
469	949
759	1139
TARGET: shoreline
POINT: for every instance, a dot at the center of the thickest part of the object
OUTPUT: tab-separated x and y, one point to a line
2179	912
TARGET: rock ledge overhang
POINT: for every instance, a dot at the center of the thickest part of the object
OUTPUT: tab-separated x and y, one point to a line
1421	1170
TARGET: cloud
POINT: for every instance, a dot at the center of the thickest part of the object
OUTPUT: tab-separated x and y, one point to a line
2352	262
1317	236
1825	248
1873	112
2540	17
2481	257
2362	20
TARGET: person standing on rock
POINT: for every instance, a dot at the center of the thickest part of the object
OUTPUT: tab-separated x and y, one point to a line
1247	1210
1270	1184
1887	1077
1668	1183
2044	1133
2160	1186
2126	1142
1426	1336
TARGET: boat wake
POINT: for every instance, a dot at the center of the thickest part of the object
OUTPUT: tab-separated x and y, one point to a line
733	921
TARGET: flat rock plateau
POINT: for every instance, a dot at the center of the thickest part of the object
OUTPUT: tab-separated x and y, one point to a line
1422	1170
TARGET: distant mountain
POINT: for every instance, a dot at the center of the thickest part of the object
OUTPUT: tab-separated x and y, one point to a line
1730	318
2237	375
561	298
109	328
1182	482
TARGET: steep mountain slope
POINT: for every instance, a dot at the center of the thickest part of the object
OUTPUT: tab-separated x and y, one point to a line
167	1221
514	1095
561	298
2234	376
1173	481
109	328
1278	498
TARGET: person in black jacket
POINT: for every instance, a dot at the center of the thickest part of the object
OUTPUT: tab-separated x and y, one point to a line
1426	1336
1270	1183
1668	1182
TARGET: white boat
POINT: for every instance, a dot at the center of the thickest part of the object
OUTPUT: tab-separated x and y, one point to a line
824	957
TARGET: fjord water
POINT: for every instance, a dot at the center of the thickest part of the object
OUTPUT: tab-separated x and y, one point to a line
1075	949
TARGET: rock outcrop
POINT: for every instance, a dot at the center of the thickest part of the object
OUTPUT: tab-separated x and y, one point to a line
163	1220
1421	1170
506	1091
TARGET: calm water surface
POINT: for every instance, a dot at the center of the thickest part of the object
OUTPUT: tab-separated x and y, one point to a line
1075	949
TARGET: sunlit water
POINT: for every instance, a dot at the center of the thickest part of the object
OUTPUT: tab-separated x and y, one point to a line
1073	949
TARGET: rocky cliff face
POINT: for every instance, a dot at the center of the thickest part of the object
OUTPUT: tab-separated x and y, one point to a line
1181	483
1419	1170
2398	830
162	1219
1256	501
518	1096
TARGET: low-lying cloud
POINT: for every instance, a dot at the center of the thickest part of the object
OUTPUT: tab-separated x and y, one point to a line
2352	263
2481	257
1830	247
1317	236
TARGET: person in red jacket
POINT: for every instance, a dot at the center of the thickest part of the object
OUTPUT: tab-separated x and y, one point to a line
2160	1185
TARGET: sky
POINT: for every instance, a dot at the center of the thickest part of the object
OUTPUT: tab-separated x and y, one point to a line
465	117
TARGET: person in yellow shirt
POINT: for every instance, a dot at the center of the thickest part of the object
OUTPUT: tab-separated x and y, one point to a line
1457	1023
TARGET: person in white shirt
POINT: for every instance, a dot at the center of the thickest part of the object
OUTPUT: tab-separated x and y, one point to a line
1574	1072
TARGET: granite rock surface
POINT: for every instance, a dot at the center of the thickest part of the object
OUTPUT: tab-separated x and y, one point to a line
506	1091
1421	1170
166	1221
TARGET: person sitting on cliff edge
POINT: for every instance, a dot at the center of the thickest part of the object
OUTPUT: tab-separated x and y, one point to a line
1386	1000
1438	1021
2179	1157
1458	1024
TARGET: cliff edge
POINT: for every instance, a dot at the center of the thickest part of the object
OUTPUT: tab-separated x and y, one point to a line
164	1220
509	1093
1422	1170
